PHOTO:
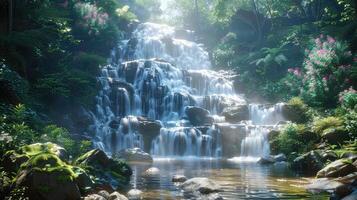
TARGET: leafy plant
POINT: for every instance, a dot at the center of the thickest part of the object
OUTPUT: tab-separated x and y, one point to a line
319	125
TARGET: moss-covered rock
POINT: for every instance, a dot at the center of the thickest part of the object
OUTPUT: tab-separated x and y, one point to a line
107	171
47	177
13	159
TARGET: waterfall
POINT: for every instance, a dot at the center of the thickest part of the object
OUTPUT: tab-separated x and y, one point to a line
152	78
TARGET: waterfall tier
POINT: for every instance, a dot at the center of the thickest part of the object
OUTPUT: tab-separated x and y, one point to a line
158	93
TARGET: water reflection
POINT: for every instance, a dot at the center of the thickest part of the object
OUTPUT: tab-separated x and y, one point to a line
239	180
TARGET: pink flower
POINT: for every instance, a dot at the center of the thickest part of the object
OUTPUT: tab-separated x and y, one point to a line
291	70
318	42
325	78
330	40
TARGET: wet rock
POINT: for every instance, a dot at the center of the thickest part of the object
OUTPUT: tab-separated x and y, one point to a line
203	185
149	129
236	114
280	158
179	178
266	160
153	171
117	196
107	171
134	155
327	185
104	194
94	197
232	136
135	194
337	168
198	116
309	163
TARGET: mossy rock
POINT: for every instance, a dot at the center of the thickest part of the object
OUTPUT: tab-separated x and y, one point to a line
110	171
47	177
13	159
335	135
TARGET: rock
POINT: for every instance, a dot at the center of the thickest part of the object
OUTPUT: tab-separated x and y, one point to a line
352	196
104	194
134	155
135	194
117	196
236	114
335	135
94	197
150	129
203	185
106	170
280	158
48	178
12	160
84	182
266	160
329	156
327	185
153	171
231	136
213	196
349	179
337	168
198	116
309	163
179	178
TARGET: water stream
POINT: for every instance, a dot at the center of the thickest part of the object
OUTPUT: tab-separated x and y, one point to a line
154	77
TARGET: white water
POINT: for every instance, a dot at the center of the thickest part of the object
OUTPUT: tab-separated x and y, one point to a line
156	75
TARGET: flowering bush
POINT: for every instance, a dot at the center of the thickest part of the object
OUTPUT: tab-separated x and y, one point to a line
93	17
327	71
348	98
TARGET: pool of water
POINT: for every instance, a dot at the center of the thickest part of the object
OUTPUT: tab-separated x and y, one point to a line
239	180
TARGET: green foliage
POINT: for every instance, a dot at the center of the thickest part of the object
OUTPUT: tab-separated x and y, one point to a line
319	125
294	138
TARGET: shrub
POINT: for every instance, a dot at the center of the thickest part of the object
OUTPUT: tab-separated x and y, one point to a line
319	125
348	99
294	138
327	71
298	111
60	136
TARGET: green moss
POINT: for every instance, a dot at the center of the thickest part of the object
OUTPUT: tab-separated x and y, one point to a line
47	162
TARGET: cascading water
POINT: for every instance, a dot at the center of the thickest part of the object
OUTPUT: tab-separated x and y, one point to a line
156	76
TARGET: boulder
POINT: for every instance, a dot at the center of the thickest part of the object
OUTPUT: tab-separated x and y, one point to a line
94	197
104	194
153	171
280	158
198	116
236	113
203	185
135	194
46	177
309	163
12	160
134	155
327	185
179	178
149	129
83	180
266	160
337	168
335	135
106	170
117	196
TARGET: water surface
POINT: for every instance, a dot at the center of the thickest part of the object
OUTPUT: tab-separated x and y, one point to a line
239	180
